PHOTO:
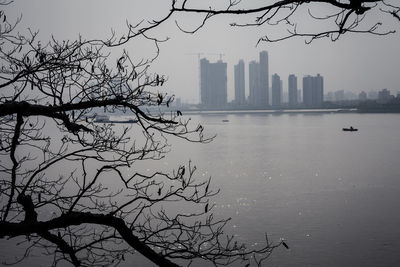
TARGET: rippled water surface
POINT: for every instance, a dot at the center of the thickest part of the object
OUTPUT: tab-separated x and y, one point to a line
333	195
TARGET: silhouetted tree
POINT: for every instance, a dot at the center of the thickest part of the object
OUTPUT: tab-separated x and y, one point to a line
72	187
329	18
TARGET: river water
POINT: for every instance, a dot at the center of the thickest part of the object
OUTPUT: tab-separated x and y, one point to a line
332	195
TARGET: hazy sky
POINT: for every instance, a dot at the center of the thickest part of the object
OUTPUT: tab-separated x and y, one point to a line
354	63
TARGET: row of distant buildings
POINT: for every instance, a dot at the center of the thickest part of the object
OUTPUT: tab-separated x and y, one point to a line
383	96
213	86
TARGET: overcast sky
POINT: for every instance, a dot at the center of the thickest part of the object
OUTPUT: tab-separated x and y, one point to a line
354	63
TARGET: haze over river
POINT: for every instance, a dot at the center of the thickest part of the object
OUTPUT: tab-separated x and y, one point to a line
332	195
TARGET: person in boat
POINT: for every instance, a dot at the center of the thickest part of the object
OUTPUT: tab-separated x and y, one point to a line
351	129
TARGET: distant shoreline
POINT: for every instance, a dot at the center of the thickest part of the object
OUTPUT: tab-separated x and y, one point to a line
361	109
270	111
188	110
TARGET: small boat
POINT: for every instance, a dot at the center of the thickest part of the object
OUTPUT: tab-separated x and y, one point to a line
351	129
225	120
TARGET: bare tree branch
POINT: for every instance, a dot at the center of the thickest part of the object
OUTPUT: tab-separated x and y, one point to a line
75	188
348	16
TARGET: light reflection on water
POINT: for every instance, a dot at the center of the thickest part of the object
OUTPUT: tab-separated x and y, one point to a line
332	195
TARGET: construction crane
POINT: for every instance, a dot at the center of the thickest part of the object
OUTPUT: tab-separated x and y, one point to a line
217	54
195	54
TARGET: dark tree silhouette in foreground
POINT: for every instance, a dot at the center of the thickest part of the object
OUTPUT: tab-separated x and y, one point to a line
72	188
329	18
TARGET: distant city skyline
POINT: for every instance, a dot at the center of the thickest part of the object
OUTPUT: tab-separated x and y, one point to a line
213	86
356	62
291	94
311	94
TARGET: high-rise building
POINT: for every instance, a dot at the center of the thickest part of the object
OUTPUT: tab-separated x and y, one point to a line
307	91
372	95
292	88
254	83
264	78
259	81
362	96
339	95
384	96
313	91
299	96
318	90
239	83
329	96
213	83
276	90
